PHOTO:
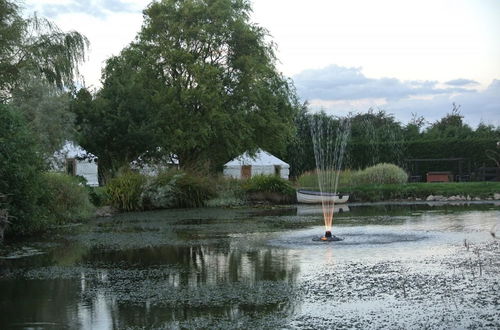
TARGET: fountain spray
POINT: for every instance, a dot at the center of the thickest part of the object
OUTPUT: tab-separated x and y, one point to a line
329	142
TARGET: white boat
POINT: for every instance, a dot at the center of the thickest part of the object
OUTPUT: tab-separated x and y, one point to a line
316	197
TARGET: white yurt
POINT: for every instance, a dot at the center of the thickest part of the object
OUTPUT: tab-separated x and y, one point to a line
246	166
74	160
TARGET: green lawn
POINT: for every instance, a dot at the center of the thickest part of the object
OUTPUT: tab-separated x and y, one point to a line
376	192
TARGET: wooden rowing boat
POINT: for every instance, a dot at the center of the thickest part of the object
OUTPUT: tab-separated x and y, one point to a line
316	197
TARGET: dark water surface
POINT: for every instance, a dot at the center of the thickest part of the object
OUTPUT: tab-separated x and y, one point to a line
399	266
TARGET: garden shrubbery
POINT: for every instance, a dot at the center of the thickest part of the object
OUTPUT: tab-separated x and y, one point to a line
20	174
131	191
66	198
229	192
268	183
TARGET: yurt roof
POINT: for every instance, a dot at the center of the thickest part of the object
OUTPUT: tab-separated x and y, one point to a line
261	157
72	150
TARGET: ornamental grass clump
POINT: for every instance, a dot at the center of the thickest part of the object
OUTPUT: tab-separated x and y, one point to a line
382	173
124	191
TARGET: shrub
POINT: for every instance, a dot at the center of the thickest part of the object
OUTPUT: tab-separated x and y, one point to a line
193	190
268	183
160	191
174	188
383	173
228	193
97	195
65	199
20	174
124	191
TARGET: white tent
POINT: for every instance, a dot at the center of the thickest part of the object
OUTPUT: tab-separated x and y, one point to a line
246	166
74	160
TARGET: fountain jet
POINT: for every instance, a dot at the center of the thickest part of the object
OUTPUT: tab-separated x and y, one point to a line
329	142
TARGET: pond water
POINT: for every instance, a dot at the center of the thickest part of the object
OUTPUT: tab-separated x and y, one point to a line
399	266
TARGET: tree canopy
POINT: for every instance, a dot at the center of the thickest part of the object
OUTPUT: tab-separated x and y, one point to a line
36	45
206	77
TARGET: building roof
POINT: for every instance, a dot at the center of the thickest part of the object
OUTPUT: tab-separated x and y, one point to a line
261	158
73	150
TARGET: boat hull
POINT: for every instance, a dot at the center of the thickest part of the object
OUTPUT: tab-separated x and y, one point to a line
316	197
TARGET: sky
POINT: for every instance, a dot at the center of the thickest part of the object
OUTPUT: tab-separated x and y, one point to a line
406	57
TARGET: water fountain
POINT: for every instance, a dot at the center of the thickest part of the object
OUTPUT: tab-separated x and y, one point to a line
329	142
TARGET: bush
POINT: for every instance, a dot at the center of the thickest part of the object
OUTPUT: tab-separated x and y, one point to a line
160	191
97	195
20	174
193	190
65	199
268	183
228	193
383	173
176	188
124	191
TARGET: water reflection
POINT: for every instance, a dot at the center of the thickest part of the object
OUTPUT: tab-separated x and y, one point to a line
232	271
116	288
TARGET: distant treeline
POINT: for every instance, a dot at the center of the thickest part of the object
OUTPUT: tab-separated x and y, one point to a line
378	137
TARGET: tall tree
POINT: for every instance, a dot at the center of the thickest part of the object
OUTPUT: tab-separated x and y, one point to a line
117	124
36	45
216	88
46	111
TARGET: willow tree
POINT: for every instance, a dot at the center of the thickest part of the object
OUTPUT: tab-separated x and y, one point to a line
213	84
37	47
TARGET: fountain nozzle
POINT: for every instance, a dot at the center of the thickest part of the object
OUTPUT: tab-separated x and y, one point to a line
328	234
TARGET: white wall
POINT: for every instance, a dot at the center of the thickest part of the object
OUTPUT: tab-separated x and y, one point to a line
88	171
235	171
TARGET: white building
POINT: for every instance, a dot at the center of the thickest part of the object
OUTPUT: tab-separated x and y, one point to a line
74	160
246	166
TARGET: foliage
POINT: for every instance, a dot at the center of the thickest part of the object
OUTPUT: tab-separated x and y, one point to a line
378	137
193	190
160	192
382	192
116	124
229	192
38	46
97	195
20	168
380	174
268	183
199	82
309	180
46	110
65	198
124	191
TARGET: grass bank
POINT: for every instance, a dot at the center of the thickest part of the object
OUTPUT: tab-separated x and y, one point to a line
384	192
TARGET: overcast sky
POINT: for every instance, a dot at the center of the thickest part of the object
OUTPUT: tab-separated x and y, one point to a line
345	55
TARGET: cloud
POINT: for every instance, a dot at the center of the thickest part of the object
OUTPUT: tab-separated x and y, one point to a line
341	90
341	83
96	8
461	82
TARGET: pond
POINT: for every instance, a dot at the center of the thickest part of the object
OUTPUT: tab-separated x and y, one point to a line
399	266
